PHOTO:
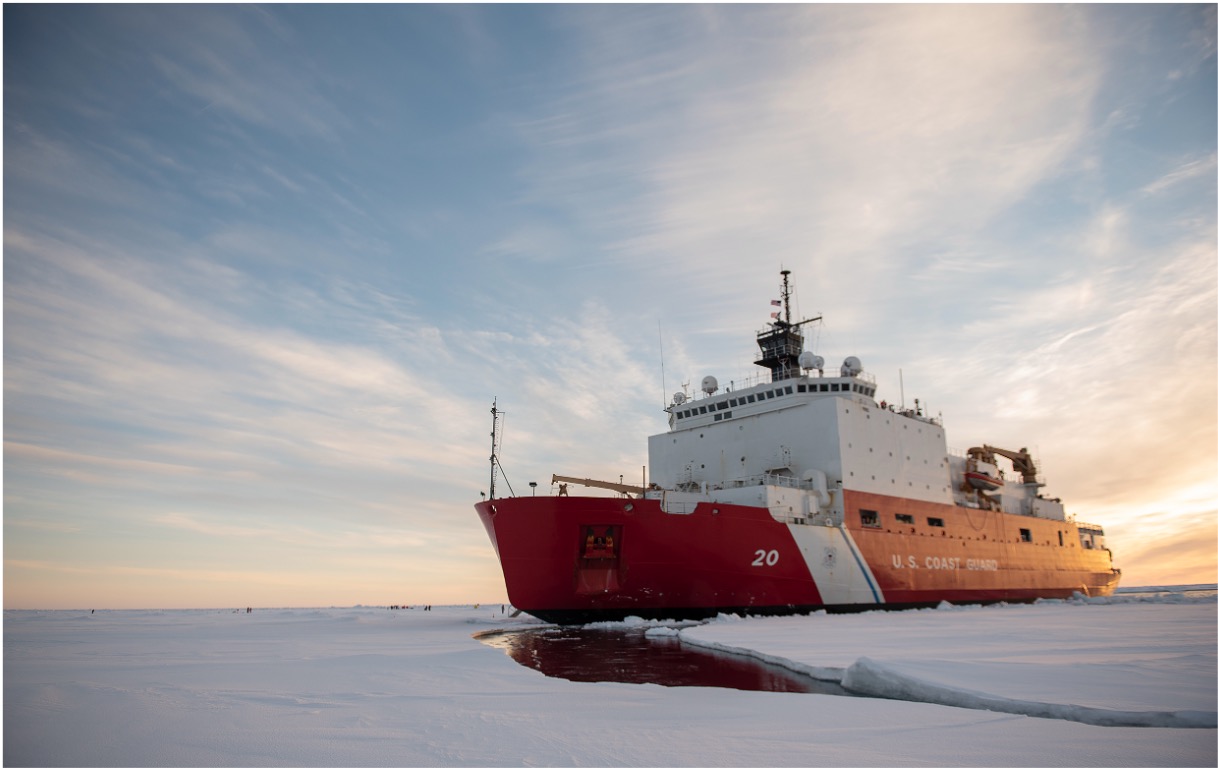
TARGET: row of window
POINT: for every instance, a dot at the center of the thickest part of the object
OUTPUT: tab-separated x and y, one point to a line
833	387
872	519
728	403
823	387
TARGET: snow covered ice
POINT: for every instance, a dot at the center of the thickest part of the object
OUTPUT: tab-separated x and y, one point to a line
1019	685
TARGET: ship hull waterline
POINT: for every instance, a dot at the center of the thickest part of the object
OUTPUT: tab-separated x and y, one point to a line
574	560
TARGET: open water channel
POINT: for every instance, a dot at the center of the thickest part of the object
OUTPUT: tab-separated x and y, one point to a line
582	654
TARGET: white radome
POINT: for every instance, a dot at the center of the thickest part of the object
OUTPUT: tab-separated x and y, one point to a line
809	360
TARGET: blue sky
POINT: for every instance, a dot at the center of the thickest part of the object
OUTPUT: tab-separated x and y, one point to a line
265	268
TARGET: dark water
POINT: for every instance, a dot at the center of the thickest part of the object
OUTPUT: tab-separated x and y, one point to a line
599	655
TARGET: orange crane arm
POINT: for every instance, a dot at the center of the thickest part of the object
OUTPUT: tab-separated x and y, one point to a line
626	489
1021	461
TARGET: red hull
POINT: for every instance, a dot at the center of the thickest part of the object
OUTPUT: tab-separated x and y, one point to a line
578	559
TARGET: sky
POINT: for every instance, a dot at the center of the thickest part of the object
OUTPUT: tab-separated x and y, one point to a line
267	267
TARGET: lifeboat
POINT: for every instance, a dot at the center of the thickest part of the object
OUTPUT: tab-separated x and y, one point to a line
982	480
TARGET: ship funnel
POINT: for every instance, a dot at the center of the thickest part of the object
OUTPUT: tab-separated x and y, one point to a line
709	385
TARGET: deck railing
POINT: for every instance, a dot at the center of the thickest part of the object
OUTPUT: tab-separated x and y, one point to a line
768	479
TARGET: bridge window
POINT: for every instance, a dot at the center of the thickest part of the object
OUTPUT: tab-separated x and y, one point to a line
802	388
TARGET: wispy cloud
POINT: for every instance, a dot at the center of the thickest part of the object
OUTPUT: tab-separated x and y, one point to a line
223	62
1193	169
867	125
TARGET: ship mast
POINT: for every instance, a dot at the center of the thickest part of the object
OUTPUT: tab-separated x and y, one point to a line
782	343
496	437
786	295
494	442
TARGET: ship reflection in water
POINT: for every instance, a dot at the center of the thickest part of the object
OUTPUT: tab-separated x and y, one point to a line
629	656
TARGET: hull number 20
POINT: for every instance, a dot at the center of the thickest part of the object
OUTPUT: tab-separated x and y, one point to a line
765	558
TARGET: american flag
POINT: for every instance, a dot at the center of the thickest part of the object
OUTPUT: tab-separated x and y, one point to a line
775	303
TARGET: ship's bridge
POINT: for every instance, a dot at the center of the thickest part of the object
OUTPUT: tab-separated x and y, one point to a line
767	397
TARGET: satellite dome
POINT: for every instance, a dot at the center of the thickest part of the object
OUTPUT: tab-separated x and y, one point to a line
809	360
851	366
709	385
678	398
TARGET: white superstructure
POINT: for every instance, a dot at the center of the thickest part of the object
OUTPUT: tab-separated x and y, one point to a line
805	429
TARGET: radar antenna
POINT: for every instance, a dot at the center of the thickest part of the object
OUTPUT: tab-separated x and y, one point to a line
782	343
786	295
